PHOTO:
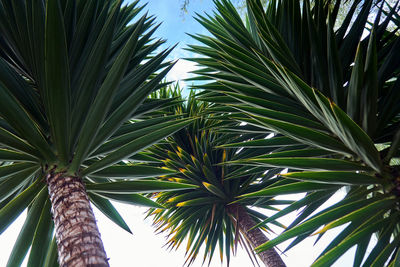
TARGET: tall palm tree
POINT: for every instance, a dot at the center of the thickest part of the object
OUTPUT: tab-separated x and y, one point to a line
209	214
333	88
73	76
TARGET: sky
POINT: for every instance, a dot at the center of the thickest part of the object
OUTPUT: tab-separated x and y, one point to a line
143	248
174	28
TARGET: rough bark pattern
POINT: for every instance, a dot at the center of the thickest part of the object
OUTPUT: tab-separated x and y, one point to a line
78	238
256	237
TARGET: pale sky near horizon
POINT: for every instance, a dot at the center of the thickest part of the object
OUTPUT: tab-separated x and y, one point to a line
144	248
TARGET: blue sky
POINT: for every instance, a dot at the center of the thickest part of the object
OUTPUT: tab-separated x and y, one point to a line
175	24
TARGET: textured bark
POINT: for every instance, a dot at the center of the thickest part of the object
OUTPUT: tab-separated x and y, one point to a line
78	238
256	237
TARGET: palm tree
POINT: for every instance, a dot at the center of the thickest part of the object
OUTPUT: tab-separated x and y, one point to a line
74	81
333	88
209	213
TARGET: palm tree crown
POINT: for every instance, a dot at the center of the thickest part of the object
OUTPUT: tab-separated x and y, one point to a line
209	214
73	76
333	89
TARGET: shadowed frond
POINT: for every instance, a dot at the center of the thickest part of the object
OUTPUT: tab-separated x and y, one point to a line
329	86
74	81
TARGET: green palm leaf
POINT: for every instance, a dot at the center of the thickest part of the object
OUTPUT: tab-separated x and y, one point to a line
321	83
74	77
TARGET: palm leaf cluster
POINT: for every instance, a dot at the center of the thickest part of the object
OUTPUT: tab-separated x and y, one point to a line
330	87
205	216
74	81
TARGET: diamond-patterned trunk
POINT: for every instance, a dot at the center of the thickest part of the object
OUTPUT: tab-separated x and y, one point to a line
255	236
78	238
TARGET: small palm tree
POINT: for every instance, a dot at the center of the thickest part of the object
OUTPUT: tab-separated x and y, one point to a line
333	88
210	213
73	76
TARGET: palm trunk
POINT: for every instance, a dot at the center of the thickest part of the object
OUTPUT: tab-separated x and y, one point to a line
256	237
78	238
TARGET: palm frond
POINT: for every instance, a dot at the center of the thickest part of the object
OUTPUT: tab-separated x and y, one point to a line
295	70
